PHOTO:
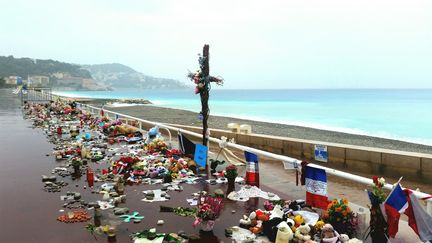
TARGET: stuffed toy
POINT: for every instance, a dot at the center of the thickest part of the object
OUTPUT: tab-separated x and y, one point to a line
245	220
354	240
328	234
302	233
284	233
291	224
299	220
343	238
319	225
270	228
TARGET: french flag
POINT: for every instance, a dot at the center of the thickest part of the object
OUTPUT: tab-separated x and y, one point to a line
418	219
316	187
394	205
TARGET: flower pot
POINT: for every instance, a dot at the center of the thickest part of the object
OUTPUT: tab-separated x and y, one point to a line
77	170
207	225
231	185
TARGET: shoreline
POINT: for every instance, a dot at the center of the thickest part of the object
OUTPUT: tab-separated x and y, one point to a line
425	143
188	118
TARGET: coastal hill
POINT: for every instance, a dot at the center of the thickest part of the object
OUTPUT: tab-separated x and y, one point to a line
67	76
117	75
23	67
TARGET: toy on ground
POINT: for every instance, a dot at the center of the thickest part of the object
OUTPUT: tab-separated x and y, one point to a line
302	233
129	217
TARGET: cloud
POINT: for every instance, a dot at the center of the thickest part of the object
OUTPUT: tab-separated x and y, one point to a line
277	43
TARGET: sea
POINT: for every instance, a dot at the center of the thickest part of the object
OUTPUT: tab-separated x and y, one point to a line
401	114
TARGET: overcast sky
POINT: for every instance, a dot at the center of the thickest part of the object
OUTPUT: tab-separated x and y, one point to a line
253	44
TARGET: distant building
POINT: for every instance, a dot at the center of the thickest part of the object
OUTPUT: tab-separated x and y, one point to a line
60	75
38	80
11	79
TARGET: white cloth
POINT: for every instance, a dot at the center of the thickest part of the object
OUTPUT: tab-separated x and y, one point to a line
247	192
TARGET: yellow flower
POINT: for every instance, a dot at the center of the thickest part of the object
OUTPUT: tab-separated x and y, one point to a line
345	201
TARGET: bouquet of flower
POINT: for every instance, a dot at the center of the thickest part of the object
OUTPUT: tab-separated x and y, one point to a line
378	225
156	145
231	172
341	217
209	209
377	196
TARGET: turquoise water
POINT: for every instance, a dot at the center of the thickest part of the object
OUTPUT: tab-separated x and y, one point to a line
397	114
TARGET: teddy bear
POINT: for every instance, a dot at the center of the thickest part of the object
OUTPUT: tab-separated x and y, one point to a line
328	234
302	233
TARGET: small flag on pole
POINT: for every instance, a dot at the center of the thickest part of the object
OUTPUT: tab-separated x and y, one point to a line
394	205
252	170
316	187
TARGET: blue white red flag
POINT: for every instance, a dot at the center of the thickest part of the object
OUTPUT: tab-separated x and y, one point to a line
252	169
316	187
394	205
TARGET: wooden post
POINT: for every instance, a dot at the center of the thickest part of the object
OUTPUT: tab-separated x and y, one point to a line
202	79
204	99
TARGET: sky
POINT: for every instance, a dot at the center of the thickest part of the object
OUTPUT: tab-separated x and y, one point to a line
253	44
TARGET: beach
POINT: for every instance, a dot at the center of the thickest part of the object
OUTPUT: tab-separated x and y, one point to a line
183	117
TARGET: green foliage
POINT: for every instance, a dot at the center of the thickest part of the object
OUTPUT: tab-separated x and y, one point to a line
231	171
10	66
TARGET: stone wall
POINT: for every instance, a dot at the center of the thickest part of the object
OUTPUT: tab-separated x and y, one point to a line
415	166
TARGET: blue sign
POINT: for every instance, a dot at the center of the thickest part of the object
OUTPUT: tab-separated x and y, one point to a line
321	153
200	156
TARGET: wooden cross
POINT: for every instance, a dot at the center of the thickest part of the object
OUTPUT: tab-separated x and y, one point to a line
203	81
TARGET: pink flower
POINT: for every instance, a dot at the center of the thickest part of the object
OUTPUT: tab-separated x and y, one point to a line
196	222
196	90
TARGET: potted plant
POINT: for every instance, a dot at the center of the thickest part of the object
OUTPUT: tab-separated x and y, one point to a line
209	209
76	164
231	174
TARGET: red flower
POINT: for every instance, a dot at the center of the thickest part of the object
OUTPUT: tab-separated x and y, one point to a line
375	180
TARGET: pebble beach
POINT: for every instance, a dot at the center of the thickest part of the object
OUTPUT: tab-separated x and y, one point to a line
182	117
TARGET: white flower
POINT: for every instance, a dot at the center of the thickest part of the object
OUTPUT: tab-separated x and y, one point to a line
223	142
381	181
